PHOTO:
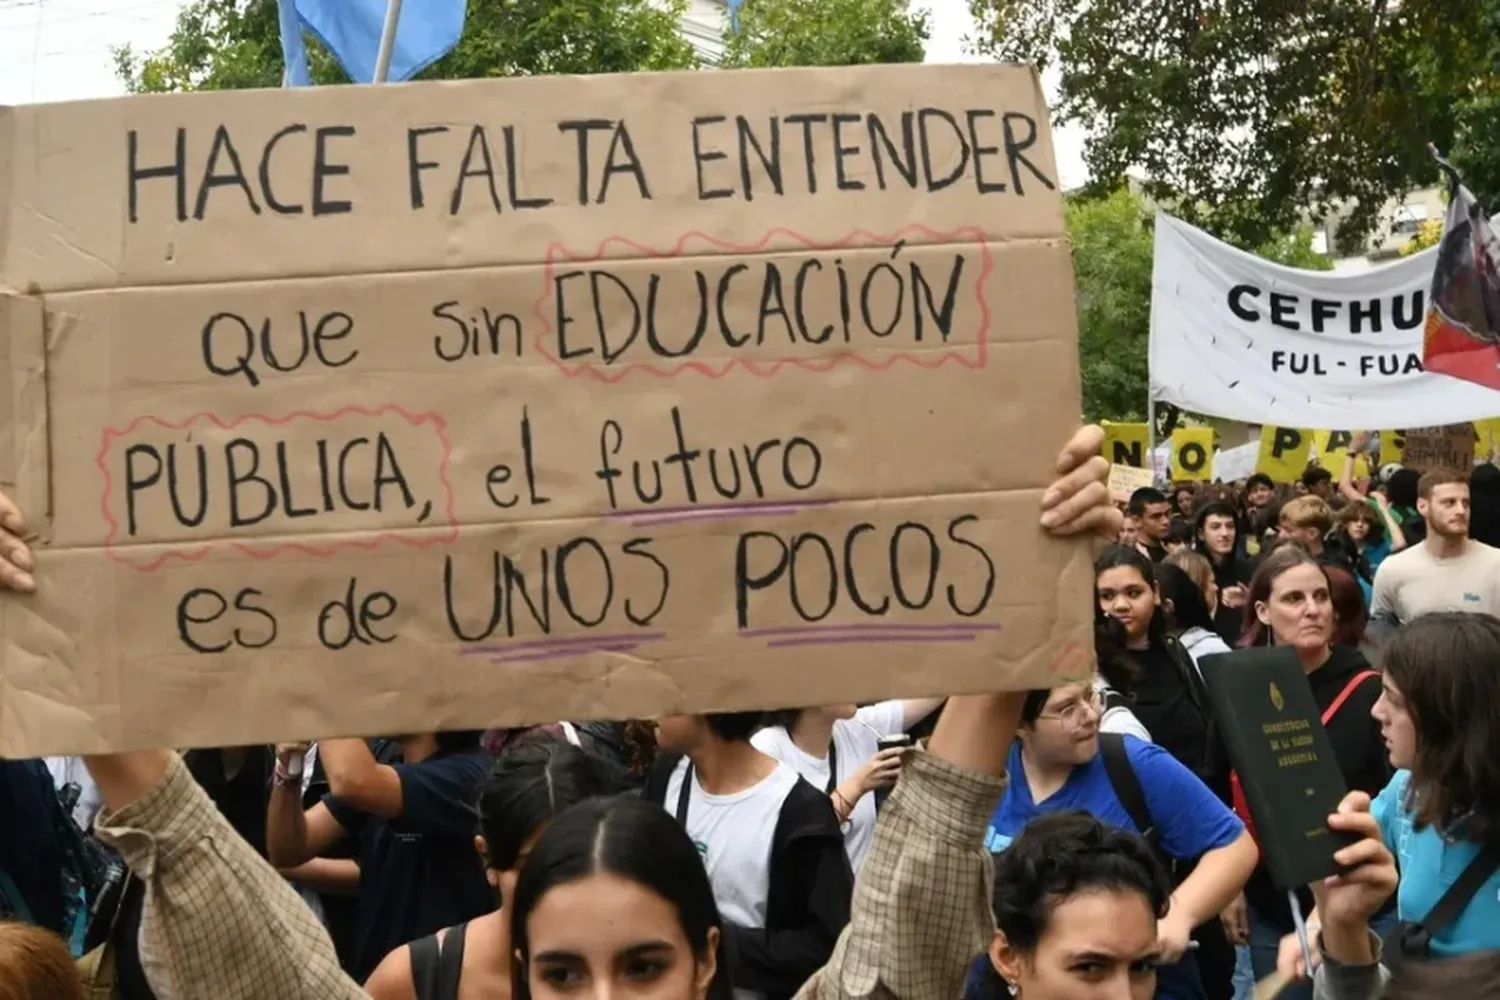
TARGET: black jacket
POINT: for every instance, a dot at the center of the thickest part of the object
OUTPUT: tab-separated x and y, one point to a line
807	902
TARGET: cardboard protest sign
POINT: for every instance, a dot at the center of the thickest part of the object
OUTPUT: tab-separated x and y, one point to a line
1428	449
372	410
1124	480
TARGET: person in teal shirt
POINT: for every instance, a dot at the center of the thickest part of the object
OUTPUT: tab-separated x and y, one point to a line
1438	717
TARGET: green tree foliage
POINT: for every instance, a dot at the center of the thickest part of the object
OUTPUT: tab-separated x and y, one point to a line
1242	114
1428	235
1476	146
230	44
1113	243
825	33
1112	246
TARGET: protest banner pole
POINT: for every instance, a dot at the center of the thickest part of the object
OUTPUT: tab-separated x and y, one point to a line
1151	433
387	41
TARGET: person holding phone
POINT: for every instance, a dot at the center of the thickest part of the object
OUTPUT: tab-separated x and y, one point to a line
852	754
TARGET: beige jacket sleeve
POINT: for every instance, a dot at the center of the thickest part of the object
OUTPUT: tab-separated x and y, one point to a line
219	921
921	909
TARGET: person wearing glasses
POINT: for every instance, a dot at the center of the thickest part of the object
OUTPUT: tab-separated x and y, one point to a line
1060	764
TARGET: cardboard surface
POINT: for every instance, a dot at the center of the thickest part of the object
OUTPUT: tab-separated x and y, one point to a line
465	404
1429	449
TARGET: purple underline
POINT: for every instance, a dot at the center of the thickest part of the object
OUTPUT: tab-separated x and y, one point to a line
713	515
562	641
833	640
557	654
732	508
796	630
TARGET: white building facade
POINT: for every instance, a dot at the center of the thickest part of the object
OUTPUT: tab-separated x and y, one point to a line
703	27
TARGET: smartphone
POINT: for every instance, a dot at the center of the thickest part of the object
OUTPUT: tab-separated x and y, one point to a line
901	740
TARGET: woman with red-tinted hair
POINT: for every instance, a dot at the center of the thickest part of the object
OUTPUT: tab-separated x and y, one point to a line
1349	615
35	965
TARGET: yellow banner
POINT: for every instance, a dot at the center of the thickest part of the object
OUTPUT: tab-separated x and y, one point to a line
1487	448
1331	449
1125	444
1283	452
1193	454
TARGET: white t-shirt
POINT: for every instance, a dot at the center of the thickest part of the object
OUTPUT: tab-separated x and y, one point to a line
1412	583
855	741
733	834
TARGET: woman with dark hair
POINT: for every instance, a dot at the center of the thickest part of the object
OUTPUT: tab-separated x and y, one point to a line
1291	604
1168	692
1439	715
837	748
1065	881
1484	504
526	789
614	892
1216	537
1060	764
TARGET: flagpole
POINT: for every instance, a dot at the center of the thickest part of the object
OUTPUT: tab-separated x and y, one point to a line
1151	433
387	41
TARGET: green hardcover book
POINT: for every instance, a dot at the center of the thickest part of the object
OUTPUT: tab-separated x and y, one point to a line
1273	731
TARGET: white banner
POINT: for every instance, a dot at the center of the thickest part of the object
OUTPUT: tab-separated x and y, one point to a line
1239	337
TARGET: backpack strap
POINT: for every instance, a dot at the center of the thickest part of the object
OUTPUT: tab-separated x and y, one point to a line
1349	689
426	976
1127	786
1462	891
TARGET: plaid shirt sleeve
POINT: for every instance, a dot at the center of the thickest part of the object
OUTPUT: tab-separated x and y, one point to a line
219	921
922	907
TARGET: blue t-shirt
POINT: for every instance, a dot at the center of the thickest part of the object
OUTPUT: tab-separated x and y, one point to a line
419	872
1190	821
1429	864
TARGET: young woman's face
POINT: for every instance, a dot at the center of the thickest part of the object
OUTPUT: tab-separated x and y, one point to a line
1358	530
1300	610
1125	596
1066	733
1099	946
607	937
1185	503
1396	725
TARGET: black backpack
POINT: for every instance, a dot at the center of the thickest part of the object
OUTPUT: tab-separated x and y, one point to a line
1127	788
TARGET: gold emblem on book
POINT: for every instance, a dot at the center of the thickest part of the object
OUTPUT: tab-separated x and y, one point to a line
1277	701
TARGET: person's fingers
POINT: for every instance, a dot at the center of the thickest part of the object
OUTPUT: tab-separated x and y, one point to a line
1085	443
1360	824
1289	959
1090	470
11	520
1087	511
1355	802
1364	852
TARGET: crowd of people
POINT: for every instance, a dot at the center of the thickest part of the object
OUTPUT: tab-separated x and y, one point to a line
1086	841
